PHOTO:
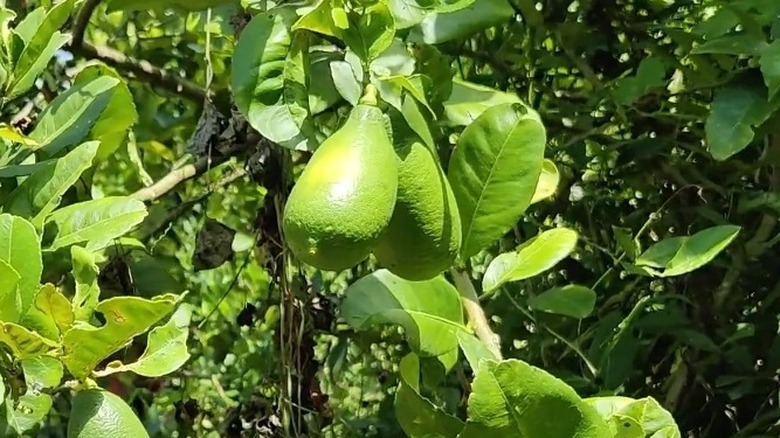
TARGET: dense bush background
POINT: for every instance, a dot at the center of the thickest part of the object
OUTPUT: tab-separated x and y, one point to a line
662	118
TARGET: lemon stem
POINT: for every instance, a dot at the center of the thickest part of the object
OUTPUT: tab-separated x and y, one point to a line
369	96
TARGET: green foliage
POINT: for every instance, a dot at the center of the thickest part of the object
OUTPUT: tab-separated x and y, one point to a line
615	166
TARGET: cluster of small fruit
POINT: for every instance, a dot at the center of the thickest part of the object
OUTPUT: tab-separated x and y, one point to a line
360	194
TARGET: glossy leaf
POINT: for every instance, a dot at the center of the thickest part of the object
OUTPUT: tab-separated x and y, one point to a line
429	311
548	181
166	349
532	258
85	275
24	343
513	399
468	101
572	300
370	30
770	68
40	372
417	415
345	81
40	194
494	171
53	303
94	223
10	301
680	255
735	112
42	39
367	30
437	28
126	317
266	67
69	118
118	116
474	349
654	420
21	249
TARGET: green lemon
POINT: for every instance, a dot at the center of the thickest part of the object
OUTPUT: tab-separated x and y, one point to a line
345	196
424	235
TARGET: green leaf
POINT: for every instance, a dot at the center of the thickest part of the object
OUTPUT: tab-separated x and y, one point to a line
118	116
40	372
571	300
345	81
42	39
700	249
653	419
21	249
407	13
417	415
468	101
53	303
429	311
513	399
649	75
40	194
126	317
474	349
370	31
156	5
735	111
27	412
94	223
532	258
166	349
10	301
548	182
70	117
319	19
437	28
494	171
626	242
683	254
23	342
770	68
267	64
85	274
747	44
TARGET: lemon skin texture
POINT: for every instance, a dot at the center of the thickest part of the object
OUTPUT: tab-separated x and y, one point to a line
424	235
345	196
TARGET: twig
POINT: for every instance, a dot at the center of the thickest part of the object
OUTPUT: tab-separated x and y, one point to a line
177	176
82	21
475	312
186	206
143	70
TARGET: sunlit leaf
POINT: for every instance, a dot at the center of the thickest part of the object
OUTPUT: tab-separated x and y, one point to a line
429	311
166	350
494	171
513	399
532	258
126	317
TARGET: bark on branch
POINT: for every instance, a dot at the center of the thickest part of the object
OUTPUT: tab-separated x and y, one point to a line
475	312
143	70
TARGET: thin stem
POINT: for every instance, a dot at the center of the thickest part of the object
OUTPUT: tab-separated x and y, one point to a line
475	312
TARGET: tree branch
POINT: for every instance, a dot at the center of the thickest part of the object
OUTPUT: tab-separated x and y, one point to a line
143	70
82	21
475	312
184	173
